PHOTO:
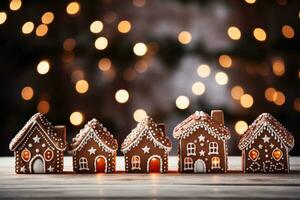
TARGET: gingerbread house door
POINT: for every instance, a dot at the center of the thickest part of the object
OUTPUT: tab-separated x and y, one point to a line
154	164
100	164
200	166
38	166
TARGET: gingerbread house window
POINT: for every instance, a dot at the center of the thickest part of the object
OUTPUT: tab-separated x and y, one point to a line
135	162
83	164
191	149
188	163
215	163
213	148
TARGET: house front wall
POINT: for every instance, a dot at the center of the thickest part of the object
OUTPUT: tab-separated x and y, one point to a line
208	155
34	152
145	157
84	161
264	147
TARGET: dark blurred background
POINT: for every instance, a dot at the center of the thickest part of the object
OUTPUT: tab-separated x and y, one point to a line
118	60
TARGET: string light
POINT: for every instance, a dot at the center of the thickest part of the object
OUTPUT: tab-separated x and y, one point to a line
43	67
76	118
3	17
101	43
269	92
225	61
237	92
104	64
203	71
15	5
198	88
184	37
240	127
278	67
246	101
259	34
139	115
140	49
27	93
41	30
234	33
122	96
96	27
27	27
47	18
73	8
82	86
221	78
124	26
288	31
182	102
43	107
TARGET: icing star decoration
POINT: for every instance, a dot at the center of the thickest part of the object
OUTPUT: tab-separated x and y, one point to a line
36	139
202	153
23	169
92	150
50	169
266	139
146	149
201	138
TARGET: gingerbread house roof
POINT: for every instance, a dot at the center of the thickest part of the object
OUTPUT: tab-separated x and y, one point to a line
201	120
147	127
40	121
94	129
267	122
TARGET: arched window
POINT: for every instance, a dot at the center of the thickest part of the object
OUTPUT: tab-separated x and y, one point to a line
135	162
213	148
191	149
215	163
188	163
83	164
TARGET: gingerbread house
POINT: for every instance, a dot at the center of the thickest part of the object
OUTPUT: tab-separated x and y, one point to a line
265	146
94	149
146	148
39	147
202	143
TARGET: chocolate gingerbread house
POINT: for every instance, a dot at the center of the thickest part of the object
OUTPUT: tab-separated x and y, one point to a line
94	149
265	146
146	148
202	143
39	147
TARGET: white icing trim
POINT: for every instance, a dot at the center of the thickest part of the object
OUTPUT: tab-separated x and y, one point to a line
95	163
160	162
34	158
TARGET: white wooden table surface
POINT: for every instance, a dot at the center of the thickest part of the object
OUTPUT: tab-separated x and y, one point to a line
233	185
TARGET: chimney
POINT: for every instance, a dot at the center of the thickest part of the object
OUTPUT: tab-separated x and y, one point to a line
162	127
217	116
61	132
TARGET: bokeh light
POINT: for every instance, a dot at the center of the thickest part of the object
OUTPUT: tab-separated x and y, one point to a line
240	127
43	67
41	30
76	118
278	67
250	1
297	104
3	17
246	101
237	92
96	27
182	102
225	61
122	96
69	44
104	64
15	5
140	49
221	78
139	3
47	18
101	43
82	86
27	27
43	107
27	93
124	26
73	8
198	88
234	33
288	31
278	98
259	34
203	71
141	66
184	37
139	115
